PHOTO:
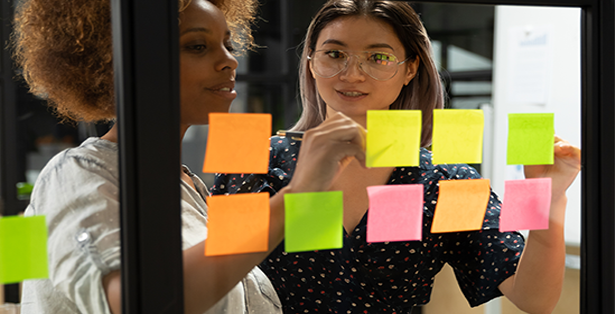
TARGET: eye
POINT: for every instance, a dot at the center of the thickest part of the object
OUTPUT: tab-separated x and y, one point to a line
229	48
382	58
197	48
335	54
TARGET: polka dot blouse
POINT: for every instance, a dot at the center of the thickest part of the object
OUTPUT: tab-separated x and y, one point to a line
389	277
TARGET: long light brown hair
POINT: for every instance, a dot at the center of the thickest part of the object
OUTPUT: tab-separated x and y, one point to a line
424	92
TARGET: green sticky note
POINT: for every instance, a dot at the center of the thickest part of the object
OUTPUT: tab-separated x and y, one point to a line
313	221
530	139
393	138
23	249
458	136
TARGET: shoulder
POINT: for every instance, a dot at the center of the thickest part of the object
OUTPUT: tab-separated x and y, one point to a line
89	172
283	150
94	155
284	144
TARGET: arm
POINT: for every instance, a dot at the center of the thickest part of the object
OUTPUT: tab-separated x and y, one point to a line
207	279
537	284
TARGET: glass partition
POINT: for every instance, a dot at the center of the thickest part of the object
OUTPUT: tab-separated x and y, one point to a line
475	50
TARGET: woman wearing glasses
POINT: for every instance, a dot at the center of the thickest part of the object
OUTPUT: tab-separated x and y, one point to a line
364	55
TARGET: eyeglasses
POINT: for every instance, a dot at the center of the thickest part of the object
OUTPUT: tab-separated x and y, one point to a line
380	66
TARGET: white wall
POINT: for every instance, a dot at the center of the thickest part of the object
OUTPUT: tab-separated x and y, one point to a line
561	83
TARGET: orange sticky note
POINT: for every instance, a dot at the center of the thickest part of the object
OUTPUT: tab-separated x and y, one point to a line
237	223
461	205
238	143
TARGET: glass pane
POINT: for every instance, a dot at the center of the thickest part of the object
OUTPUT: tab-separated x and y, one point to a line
553	68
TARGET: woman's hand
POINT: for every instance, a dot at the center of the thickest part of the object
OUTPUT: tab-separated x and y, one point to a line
563	171
537	284
325	151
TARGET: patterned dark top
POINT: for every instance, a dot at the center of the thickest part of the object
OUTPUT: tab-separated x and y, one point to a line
389	277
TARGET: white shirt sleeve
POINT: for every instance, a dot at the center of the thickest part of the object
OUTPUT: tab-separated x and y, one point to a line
78	195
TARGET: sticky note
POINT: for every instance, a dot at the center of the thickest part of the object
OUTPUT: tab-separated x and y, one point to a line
313	221
238	143
526	204
461	205
393	138
530	139
457	136
237	223
23	249
395	213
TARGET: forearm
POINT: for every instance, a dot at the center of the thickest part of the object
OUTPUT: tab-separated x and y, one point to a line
207	279
537	284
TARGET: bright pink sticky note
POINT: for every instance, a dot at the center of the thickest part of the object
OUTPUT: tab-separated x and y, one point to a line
395	213
526	204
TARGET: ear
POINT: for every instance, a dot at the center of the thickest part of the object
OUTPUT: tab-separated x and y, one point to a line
412	69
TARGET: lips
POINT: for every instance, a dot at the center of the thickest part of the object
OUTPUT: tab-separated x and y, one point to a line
224	87
351	93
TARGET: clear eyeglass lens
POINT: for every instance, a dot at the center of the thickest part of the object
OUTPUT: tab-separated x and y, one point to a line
378	65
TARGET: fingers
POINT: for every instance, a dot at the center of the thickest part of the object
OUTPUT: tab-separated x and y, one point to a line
563	148
340	128
326	150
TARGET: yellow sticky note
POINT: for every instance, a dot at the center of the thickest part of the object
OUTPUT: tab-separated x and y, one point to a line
237	223
457	136
238	143
393	138
461	205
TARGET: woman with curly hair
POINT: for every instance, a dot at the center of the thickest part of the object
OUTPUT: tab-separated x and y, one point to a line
64	49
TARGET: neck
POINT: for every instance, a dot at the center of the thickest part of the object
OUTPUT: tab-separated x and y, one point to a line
111	135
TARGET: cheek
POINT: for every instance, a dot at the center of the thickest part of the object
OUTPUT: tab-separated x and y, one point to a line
324	87
389	93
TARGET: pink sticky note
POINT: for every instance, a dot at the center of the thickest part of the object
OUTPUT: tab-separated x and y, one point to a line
526	204
395	213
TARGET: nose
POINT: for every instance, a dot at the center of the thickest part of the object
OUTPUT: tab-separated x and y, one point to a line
227	61
353	71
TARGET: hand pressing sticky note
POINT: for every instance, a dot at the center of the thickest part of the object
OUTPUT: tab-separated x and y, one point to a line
237	223
395	213
526	204
461	205
23	249
314	221
530	139
238	143
458	136
393	138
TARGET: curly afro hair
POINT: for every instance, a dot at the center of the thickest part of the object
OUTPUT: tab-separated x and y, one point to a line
64	50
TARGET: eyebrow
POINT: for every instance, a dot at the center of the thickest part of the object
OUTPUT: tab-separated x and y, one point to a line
201	29
372	46
196	29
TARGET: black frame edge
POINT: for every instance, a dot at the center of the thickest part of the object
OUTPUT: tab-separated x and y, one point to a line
148	117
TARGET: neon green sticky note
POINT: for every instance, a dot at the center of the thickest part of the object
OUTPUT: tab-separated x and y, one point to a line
530	139
458	136
23	249
393	138
313	221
